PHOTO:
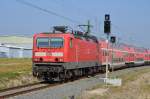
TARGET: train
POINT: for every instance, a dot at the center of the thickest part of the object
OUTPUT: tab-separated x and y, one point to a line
61	55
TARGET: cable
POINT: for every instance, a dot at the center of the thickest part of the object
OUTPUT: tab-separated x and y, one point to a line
129	38
47	11
118	28
121	30
81	12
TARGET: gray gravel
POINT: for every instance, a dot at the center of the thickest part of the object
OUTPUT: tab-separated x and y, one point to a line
68	90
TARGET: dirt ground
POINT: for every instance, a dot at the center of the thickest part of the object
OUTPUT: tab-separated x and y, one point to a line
135	85
17	81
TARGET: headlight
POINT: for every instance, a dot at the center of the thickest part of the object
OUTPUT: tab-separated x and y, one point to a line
59	54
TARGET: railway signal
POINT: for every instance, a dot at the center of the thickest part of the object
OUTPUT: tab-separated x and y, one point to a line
113	39
107	31
107	24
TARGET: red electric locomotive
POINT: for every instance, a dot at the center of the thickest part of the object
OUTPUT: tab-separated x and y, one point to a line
63	55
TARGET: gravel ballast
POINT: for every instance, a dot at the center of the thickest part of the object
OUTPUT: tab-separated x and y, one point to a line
72	89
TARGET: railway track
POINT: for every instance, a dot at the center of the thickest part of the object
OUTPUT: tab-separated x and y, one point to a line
14	91
18	90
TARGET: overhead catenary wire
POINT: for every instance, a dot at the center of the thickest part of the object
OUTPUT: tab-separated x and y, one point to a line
81	13
122	31
56	14
47	11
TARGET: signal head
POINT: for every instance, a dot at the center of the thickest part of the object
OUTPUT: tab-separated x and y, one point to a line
113	39
107	17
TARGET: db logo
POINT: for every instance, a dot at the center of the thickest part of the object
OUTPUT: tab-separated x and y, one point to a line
48	54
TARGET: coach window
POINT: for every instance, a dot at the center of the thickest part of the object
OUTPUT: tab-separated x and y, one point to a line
71	43
106	53
127	54
103	52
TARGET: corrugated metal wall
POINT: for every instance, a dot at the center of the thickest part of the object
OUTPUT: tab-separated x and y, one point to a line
4	51
14	52
27	53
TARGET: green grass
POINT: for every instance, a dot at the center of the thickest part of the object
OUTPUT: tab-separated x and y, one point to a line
9	75
135	74
131	77
12	68
13	60
126	90
146	88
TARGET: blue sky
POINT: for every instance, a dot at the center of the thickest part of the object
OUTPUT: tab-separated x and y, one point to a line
130	18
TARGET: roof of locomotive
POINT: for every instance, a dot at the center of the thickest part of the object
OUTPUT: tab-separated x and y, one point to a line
50	33
75	34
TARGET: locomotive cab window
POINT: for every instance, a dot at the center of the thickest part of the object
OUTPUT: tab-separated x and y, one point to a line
56	42
50	42
43	42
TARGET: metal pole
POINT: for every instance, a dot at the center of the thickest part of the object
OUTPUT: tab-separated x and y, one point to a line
112	58
107	57
88	27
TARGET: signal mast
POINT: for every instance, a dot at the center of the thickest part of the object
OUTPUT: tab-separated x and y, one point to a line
107	31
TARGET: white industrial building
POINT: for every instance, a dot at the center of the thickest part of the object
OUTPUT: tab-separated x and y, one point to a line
10	51
15	46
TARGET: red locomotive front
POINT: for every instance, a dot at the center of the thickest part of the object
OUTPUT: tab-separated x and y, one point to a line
64	55
49	48
49	54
